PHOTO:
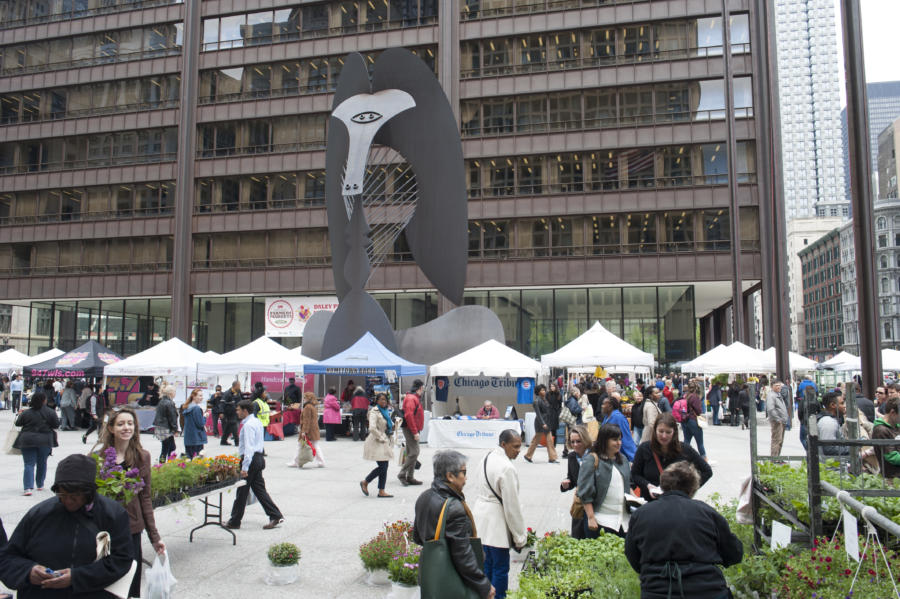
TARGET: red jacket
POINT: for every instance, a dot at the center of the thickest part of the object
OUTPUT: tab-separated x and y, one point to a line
413	415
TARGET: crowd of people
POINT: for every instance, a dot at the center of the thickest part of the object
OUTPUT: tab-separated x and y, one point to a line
629	466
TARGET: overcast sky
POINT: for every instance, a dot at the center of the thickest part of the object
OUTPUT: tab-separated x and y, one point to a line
880	40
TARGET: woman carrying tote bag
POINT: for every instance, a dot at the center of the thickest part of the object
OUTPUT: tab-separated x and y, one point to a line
452	561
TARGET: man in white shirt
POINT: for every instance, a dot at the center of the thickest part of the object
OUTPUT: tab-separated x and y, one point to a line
252	464
498	512
16	389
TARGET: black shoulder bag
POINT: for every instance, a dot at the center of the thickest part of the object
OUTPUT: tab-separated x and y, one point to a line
488	483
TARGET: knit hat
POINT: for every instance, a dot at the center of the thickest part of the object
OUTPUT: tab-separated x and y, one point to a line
76	469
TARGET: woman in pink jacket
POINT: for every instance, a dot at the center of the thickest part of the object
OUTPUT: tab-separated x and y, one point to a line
332	414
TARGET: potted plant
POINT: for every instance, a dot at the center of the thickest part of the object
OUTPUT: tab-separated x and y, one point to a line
376	553
530	539
403	571
115	482
284	564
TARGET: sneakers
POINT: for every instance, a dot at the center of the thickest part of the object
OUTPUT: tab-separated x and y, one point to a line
27	493
273	523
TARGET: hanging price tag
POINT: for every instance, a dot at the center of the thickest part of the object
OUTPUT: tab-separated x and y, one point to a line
781	535
851	535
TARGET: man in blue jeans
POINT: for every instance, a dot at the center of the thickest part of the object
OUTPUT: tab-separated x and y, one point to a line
497	510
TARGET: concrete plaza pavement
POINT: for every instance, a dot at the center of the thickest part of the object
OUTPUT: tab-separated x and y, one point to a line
328	517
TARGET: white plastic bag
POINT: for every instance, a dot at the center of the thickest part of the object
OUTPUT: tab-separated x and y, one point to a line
160	580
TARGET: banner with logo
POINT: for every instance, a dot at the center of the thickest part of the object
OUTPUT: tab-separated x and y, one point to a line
524	390
287	316
441	388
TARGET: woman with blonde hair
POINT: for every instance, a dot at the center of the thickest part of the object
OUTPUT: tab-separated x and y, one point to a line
122	436
194	429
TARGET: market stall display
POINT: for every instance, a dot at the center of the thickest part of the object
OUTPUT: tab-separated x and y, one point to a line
599	347
85	361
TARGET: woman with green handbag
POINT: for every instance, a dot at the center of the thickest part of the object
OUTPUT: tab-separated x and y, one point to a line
452	561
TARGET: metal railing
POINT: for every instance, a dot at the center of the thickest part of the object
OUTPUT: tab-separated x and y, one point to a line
581	124
585	62
90	62
317	32
19	119
519	8
610	184
300	146
84	13
68	165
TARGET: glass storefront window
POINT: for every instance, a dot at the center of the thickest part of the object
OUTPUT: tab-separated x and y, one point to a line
507	306
537	321
571	314
640	318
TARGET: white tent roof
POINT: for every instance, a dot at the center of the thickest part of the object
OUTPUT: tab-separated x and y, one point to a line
699	363
12	359
169	358
736	358
491	358
795	361
599	347
843	361
261	355
44	356
890	359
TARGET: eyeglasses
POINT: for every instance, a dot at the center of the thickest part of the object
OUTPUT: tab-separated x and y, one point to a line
879	393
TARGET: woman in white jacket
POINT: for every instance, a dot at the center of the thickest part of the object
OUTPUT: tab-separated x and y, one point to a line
497	511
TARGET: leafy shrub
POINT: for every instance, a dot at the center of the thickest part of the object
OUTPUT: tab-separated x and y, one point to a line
376	553
284	554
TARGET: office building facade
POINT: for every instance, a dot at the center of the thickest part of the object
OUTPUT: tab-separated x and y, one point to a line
809	92
821	335
595	137
884	108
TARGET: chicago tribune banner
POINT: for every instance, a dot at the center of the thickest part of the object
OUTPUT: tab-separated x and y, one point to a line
287	316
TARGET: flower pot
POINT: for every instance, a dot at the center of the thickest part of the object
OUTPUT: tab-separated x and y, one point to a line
281	575
377	578
402	591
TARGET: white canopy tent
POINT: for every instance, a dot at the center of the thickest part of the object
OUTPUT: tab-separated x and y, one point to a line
261	355
890	360
172	358
599	347
844	361
44	356
13	359
795	361
736	358
491	358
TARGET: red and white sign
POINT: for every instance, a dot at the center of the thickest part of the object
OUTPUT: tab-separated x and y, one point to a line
287	316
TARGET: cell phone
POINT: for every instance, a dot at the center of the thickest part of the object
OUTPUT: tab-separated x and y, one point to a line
49	571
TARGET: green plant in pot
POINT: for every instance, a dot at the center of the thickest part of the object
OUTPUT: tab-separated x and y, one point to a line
284	561
403	569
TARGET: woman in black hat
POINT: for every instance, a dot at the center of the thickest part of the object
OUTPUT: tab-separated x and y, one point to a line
54	546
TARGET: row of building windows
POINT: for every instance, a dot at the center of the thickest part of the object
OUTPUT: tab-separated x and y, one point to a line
828	325
646	233
17	13
107	97
821	310
883	240
826	293
260	136
579	48
571	172
486	9
76	203
819	260
295	77
153	41
314	20
599	108
831	344
88	151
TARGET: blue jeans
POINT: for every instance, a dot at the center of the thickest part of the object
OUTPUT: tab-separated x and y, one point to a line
637	434
496	568
692	430
803	433
35	456
715	411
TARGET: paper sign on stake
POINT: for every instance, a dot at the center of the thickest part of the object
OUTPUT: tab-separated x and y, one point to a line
851	535
781	535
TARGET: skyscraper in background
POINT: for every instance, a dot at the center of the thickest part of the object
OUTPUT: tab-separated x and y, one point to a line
884	107
810	109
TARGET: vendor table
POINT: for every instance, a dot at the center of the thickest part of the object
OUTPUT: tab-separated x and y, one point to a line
145	417
468	433
212	509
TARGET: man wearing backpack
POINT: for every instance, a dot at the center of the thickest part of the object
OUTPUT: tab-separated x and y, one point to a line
413	422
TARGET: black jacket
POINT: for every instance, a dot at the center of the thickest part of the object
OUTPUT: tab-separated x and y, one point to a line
230	401
572	468
692	550
644	470
292	394
166	415
215	403
458	529
542	416
554	405
53	537
866	406
37	428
